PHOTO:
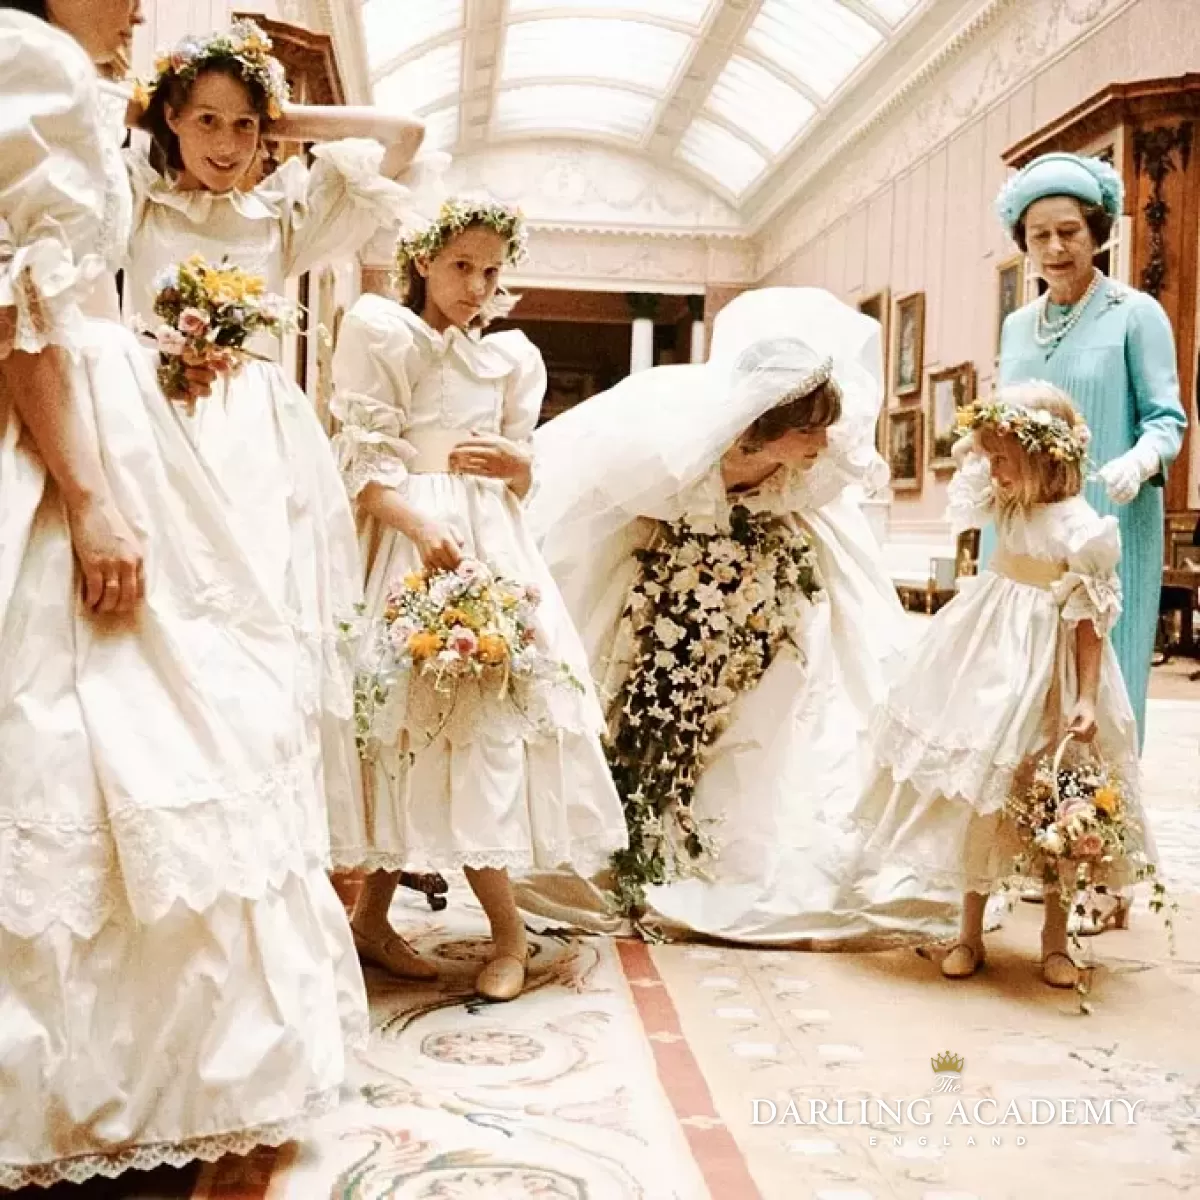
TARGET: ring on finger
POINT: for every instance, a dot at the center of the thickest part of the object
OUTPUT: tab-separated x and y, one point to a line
111	585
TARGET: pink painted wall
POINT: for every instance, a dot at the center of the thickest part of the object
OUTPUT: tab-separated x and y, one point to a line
930	227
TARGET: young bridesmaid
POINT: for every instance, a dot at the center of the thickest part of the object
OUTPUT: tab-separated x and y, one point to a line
434	448
1020	659
209	109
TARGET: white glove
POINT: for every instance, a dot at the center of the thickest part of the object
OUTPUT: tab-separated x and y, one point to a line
1124	475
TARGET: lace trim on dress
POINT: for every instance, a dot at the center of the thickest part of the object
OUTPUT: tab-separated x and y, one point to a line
586	858
244	839
40	285
935	767
150	1155
370	446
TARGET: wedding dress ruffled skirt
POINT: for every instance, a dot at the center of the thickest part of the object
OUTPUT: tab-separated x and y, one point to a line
178	975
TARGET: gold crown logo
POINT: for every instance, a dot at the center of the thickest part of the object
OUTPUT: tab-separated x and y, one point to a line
947	1061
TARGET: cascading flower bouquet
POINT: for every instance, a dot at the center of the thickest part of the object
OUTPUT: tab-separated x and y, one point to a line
711	608
1075	825
442	631
207	314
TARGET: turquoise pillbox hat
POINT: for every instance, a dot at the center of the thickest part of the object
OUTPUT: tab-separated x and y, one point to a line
1090	180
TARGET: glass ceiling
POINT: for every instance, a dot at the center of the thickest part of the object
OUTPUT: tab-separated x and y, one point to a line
611	70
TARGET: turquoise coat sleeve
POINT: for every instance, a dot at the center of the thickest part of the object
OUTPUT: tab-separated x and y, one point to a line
1150	357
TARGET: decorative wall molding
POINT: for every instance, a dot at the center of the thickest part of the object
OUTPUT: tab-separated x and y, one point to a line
1002	48
566	185
632	263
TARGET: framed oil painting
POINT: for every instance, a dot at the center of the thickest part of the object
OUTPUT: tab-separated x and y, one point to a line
949	390
904	457
1010	291
878	306
908	346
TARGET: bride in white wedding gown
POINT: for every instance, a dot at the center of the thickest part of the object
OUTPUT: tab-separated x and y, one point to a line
779	779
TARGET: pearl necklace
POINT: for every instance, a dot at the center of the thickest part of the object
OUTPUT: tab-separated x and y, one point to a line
1051	333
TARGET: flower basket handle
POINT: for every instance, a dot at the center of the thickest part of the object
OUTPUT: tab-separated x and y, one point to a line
1058	758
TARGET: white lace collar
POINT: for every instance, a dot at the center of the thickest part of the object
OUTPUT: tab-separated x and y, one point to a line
260	204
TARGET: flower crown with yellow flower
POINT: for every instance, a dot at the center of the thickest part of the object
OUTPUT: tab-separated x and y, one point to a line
1037	429
457	215
244	44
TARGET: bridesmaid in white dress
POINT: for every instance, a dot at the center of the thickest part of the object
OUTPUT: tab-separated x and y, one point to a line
435	417
178	977
777	783
209	108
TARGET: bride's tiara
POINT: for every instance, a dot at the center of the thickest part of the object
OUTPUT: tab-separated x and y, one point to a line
817	377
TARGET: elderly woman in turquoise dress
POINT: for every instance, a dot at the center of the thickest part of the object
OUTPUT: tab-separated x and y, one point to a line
1111	349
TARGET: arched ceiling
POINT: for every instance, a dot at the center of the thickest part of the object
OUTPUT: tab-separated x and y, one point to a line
721	90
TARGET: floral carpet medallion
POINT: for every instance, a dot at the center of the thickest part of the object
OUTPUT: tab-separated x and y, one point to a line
552	1097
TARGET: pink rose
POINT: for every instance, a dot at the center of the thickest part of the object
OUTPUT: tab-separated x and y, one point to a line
170	341
462	641
1087	846
471	570
1074	808
192	322
533	595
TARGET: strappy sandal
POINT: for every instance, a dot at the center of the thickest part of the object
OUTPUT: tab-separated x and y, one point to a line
394	955
953	966
502	978
1060	970
1095	920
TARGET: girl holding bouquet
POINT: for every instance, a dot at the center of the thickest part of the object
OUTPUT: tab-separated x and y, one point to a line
211	104
1018	660
488	775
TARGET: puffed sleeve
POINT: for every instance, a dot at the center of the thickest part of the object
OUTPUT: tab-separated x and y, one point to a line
372	394
970	497
333	208
1150	357
525	388
1091	588
52	186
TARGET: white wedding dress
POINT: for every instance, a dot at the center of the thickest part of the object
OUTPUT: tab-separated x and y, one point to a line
177	976
781	779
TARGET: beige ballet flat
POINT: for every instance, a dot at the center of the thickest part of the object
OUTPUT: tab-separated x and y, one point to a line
1059	970
962	961
395	956
503	978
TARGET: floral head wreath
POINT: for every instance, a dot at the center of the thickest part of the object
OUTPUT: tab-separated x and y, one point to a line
243	43
453	218
1038	430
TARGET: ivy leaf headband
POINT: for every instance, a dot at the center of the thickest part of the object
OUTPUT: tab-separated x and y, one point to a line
243	43
453	218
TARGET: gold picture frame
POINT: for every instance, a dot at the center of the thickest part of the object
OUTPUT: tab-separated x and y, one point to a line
908	346
878	306
1010	291
905	456
949	390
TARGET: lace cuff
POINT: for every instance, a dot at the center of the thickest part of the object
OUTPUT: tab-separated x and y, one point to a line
39	286
1095	598
970	498
370	446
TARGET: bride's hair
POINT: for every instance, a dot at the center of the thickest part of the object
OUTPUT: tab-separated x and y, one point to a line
808	397
35	8
1042	478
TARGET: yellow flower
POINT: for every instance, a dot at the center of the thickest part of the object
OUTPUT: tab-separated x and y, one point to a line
415	581
141	95
492	649
273	109
1107	800
424	644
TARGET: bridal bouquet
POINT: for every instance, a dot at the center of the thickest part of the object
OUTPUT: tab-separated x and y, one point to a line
709	611
445	629
207	314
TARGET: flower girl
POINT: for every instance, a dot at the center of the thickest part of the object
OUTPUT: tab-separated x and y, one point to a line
499	768
211	105
1020	659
